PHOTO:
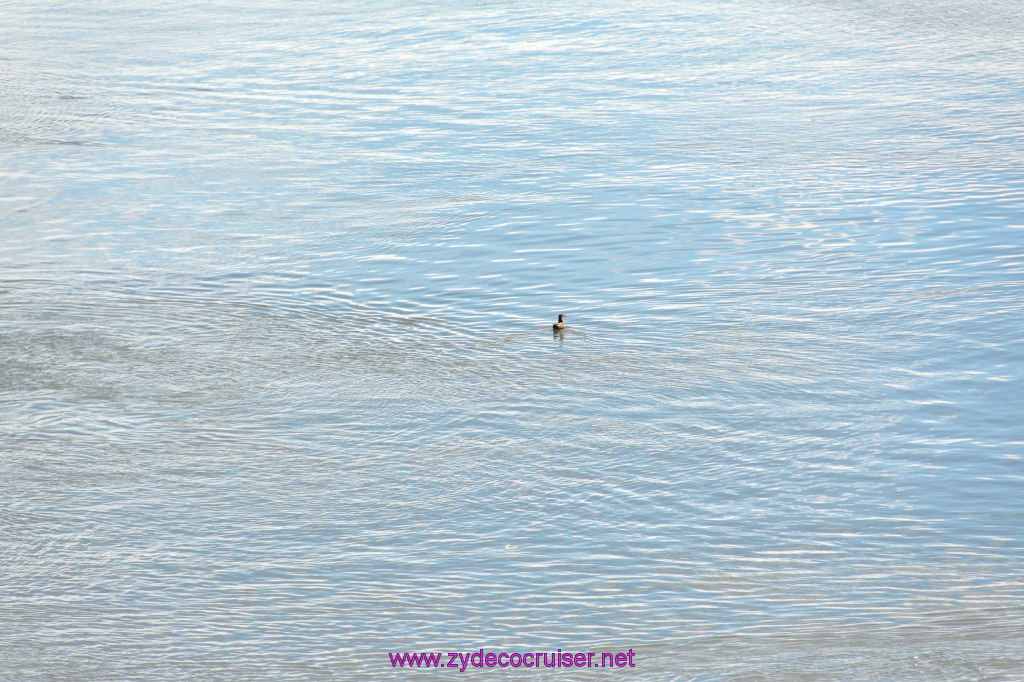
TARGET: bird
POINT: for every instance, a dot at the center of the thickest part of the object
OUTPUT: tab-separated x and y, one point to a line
559	324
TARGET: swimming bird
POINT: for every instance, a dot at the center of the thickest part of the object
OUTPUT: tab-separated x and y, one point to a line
559	324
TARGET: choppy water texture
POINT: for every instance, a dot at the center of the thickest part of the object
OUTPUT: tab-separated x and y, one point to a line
280	392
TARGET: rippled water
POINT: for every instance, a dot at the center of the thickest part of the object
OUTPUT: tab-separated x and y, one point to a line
279	392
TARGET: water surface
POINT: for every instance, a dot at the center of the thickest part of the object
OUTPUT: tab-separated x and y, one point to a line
279	392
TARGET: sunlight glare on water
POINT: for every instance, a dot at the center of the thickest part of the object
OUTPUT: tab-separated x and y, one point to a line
279	392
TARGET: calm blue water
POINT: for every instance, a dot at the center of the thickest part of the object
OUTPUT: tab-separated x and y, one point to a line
279	392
